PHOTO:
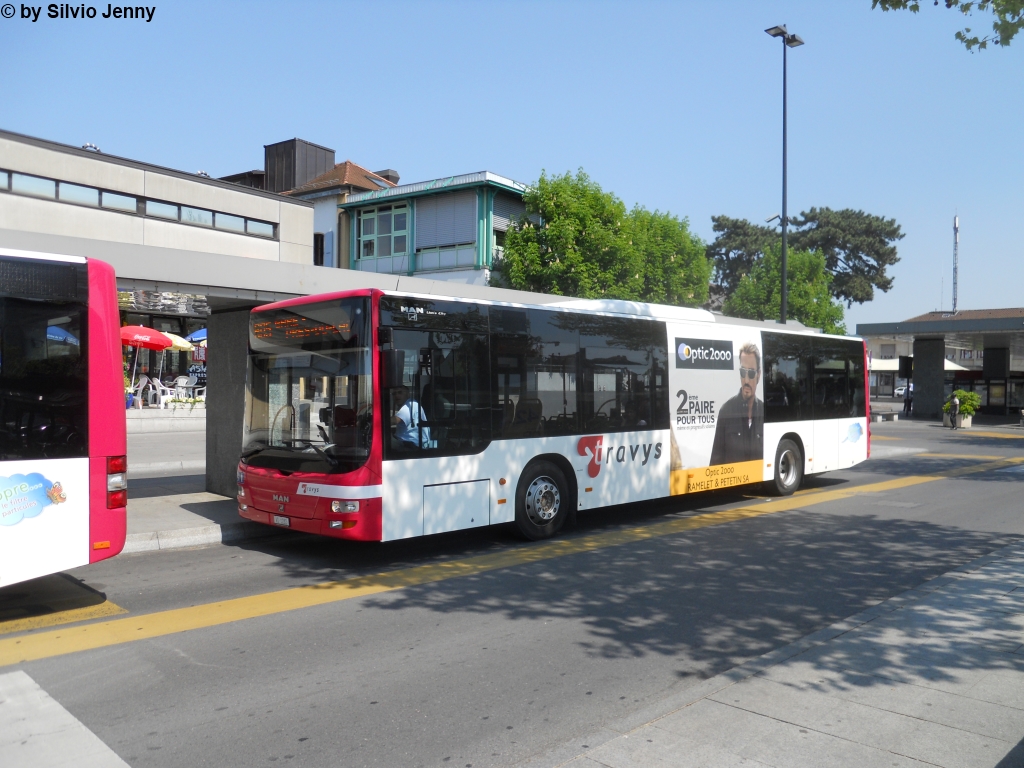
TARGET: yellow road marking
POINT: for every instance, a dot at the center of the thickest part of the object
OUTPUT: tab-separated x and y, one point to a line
14	650
972	456
880	437
61	617
1004	435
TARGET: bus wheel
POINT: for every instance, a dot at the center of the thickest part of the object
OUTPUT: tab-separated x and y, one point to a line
542	501
789	469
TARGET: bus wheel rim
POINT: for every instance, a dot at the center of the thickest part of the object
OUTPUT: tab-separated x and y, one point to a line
787	468
542	500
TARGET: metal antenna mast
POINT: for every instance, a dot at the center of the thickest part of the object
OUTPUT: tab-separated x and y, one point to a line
956	255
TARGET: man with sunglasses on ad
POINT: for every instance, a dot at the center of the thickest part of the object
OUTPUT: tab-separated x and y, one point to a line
739	434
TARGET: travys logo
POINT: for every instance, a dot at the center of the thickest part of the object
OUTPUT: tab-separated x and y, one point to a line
593	447
704	353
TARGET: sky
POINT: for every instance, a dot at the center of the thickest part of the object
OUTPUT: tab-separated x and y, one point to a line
675	106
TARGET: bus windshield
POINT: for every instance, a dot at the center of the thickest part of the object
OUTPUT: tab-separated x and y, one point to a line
43	379
308	388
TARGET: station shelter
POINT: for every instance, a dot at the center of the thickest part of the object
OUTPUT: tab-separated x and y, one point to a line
978	350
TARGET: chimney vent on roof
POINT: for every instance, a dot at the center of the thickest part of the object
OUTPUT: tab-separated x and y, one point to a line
390	174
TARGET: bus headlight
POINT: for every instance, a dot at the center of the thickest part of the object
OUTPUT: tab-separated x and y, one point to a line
240	476
344	506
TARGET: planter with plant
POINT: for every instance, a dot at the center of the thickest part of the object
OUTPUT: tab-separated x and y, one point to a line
970	402
187	402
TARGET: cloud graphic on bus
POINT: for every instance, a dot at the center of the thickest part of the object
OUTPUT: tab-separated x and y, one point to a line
854	433
23	496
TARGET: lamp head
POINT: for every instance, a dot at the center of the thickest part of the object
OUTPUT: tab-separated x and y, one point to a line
794	40
779	31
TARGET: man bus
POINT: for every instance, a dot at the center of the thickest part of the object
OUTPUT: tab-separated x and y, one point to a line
63	469
524	414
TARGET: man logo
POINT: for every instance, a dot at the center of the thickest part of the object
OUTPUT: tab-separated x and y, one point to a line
713	354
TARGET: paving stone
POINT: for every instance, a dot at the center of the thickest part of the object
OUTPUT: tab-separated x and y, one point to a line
657	748
867	725
979	717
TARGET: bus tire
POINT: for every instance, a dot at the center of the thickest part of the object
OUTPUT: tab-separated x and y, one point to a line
789	469
542	501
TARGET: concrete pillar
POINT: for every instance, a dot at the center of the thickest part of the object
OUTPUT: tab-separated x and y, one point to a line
929	377
228	348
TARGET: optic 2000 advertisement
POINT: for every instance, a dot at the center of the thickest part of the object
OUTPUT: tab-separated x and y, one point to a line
717	405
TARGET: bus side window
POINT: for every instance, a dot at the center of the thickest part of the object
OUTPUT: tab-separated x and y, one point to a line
833	398
551	368
519	411
624	364
855	370
787	386
446	376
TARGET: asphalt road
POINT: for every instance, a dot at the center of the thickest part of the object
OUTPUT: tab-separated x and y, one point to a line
498	650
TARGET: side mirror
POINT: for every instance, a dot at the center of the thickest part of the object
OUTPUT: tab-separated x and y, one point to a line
385	336
392	365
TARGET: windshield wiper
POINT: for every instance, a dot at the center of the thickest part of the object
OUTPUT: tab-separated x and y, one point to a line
252	452
330	459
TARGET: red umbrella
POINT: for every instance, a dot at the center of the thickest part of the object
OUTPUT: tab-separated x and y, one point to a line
147	338
138	336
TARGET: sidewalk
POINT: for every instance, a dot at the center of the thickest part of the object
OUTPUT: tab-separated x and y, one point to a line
175	513
934	676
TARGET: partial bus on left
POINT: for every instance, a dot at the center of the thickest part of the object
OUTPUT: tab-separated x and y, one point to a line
63	464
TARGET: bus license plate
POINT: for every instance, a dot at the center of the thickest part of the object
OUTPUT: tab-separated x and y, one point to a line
278	520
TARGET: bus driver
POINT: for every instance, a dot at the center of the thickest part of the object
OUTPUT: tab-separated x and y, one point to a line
406	421
739	435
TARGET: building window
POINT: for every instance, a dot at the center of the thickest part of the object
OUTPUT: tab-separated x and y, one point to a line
888	351
119	202
196	216
74	193
229	222
161	210
78	194
33	185
318	249
259	228
382	233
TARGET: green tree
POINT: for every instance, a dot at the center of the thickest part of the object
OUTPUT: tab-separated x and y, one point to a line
570	242
578	240
810	301
675	269
738	246
1008	21
857	246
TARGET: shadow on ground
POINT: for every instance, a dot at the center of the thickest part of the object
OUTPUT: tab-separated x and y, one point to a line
713	597
45	595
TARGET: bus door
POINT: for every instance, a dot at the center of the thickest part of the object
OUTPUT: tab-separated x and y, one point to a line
441	408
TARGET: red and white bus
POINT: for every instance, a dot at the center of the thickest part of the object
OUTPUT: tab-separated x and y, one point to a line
375	415
63	469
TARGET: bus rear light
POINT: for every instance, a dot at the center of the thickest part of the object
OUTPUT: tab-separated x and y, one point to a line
117	482
344	506
343	524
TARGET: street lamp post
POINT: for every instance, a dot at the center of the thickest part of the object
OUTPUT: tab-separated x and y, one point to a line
788	41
